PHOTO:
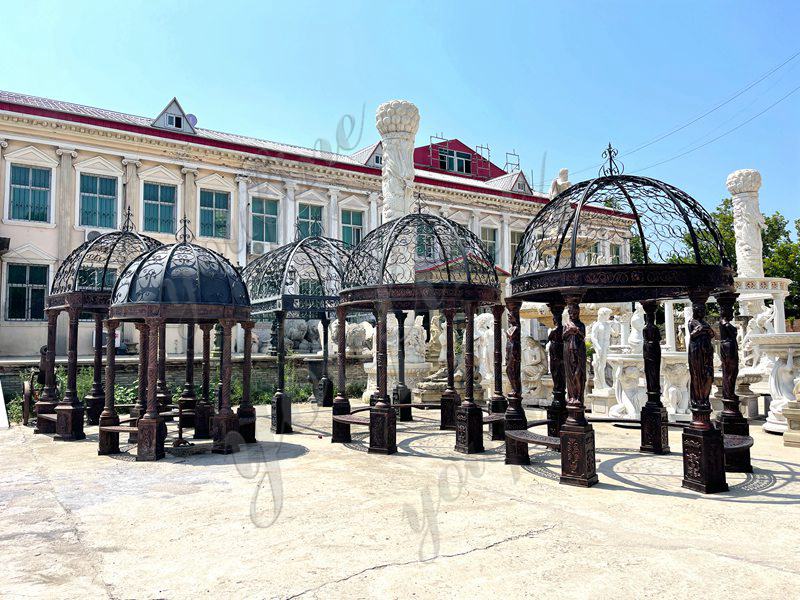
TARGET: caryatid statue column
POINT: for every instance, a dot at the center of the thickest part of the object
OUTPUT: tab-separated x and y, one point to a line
397	121
747	225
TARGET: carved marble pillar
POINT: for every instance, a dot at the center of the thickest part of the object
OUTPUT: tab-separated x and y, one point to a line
108	442
333	214
242	220
69	412
505	244
373	211
557	411
225	425
498	403
203	408
152	430
130	187
655	433
748	223
288	213
382	416
95	399
577	436
246	411
401	394
516	452
46	404
469	418
340	432
703	452
397	122
65	201
731	421
281	420
450	399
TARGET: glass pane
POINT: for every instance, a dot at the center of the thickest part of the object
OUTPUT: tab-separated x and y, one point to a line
37	304
20	175
40	178
150	216
88	184
39	202
16	303
167	219
347	235
168	193
150	192
88	210
206	222
271	207
107	213
221	201
108	186
258	206
272	230
17	273
358	218
258	228
346	217
303	213
220	224
316	213
20	203
206	199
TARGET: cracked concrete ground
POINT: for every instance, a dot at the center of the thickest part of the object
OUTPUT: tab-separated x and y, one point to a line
299	517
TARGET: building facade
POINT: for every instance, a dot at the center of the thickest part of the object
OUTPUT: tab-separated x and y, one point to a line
69	172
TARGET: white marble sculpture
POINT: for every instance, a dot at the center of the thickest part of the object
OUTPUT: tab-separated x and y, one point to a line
628	392
295	332
781	388
635	338
675	385
397	122
560	184
600	336
415	341
533	369
688	315
356	338
748	222
433	351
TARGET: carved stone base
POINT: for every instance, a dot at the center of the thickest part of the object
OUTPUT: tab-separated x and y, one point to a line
703	461
202	421
108	440
224	432
737	461
152	433
340	432
450	402
45	425
516	452
325	392
498	405
557	416
402	395
94	402
655	430
382	430
69	423
469	429
281	419
792	435
577	455
247	424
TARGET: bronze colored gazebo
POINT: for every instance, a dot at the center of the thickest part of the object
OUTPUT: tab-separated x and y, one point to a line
82	286
417	262
298	280
186	284
675	251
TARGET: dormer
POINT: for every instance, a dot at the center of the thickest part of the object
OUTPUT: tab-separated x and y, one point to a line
173	118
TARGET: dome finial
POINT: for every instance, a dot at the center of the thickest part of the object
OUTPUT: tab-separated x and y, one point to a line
612	168
127	225
184	234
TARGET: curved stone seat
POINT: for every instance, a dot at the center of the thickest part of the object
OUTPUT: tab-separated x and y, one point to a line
351	419
737	442
528	437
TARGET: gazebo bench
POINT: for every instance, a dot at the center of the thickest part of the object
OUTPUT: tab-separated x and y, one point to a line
351	419
529	437
735	443
47	416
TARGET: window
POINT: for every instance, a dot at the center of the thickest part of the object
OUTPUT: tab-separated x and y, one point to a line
521	185
457	162
214	214
98	201
489	239
25	292
311	287
159	207
426	243
309	220
352	226
378	159
516	238
616	254
265	220
30	193
90	278
593	256
175	121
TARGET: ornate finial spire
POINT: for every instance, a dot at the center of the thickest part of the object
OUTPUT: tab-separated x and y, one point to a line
127	225
184	234
420	203
612	168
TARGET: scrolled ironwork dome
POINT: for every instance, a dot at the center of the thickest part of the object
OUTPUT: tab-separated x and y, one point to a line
420	251
303	278
661	240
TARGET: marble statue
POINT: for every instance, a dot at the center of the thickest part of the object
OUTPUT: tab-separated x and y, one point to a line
295	331
600	336
433	349
635	338
415	341
397	122
534	367
560	184
628	393
748	222
484	345
356	338
314	335
765	320
676	388
688	315
781	388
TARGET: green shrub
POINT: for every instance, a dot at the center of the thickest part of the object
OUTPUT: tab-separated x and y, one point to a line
354	389
14	409
83	382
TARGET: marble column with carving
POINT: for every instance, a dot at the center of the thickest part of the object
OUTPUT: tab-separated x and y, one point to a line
397	122
505	244
332	230
65	217
288	211
748	222
373	211
189	199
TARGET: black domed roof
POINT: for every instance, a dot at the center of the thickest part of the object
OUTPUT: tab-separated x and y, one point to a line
181	273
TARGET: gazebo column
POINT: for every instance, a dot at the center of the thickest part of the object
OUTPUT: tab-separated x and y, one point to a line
141	396
731	421
95	399
46	405
340	432
577	436
655	432
162	393
498	403
108	440
69	412
703	451
325	383
469	417
281	403
401	394
516	452
382	417
225	424
152	430
450	399
557	411
246	411
188	397
204	410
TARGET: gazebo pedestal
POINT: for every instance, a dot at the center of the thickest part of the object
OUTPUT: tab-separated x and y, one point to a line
151	436
221	427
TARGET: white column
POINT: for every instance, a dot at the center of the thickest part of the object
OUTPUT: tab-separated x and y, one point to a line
242	238
779	314
397	121
288	213
505	240
61	207
669	324
373	210
476	223
333	214
3	146
189	199
747	221
131	182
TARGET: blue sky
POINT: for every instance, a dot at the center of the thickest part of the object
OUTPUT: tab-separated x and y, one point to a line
563	78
